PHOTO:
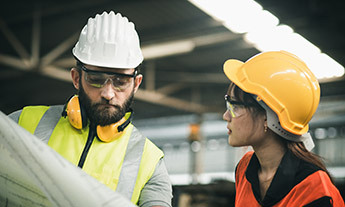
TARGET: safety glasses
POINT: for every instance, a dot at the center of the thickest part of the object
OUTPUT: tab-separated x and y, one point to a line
236	108
99	79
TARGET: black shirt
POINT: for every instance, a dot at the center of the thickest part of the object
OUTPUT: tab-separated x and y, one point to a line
290	172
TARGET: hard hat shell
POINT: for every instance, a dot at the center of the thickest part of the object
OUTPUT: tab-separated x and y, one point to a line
109	40
283	82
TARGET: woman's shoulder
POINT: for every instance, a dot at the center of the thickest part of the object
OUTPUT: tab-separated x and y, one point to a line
244	161
247	155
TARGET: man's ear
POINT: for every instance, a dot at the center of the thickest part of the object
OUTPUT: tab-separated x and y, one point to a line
75	77
137	81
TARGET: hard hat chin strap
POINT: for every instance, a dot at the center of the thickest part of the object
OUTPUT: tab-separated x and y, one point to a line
274	124
307	141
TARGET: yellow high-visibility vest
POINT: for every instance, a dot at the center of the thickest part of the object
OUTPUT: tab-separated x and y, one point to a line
124	165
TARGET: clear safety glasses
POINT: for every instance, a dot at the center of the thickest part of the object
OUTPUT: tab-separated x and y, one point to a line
99	79
236	108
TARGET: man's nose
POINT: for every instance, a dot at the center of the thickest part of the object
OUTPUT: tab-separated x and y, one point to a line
108	90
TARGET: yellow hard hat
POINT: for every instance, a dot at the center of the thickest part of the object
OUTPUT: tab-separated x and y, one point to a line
283	82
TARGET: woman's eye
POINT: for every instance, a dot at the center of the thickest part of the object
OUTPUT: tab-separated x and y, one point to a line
237	107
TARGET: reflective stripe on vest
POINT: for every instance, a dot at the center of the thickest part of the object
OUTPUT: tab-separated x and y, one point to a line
131	162
48	122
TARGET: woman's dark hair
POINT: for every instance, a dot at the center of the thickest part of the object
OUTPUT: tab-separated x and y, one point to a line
247	98
297	148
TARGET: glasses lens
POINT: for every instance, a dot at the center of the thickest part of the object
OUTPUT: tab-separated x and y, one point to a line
95	79
121	82
234	107
230	108
98	80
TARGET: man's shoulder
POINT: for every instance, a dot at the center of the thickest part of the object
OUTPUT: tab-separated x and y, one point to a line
34	111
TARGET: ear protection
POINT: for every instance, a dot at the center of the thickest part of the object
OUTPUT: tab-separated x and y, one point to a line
77	118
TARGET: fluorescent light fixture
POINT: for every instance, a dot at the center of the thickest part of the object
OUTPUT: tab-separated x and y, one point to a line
167	49
280	38
262	29
324	66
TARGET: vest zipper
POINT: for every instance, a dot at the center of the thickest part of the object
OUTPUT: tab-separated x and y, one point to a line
88	143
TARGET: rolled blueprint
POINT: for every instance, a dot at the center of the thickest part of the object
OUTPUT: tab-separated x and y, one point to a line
33	174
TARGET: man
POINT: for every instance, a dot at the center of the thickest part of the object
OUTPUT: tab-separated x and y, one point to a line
93	130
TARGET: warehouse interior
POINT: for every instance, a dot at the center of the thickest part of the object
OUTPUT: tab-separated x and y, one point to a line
180	103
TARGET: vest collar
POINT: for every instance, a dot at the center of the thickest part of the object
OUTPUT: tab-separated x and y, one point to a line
290	172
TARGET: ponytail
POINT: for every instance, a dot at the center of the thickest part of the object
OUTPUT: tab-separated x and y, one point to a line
299	150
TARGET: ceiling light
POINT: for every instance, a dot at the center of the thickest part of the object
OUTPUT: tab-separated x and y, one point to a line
262	30
167	49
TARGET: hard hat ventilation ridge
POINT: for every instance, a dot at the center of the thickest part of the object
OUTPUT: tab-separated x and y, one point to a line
109	40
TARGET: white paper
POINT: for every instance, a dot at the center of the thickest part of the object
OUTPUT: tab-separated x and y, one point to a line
33	174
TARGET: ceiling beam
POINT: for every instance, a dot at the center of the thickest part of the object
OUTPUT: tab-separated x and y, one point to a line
15	43
144	95
171	88
36	37
178	48
59	50
150	76
190	77
56	73
162	99
23	64
49	64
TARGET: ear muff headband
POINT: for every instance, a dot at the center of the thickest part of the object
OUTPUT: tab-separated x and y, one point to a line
114	131
110	132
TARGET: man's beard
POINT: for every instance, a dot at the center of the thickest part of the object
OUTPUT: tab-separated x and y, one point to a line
100	116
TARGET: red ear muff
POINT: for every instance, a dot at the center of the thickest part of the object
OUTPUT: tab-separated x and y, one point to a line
74	113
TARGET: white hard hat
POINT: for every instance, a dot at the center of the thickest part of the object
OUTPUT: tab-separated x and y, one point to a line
109	40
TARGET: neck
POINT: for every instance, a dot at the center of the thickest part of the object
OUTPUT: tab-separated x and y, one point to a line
270	154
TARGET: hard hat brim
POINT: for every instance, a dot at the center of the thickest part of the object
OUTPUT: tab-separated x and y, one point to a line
230	69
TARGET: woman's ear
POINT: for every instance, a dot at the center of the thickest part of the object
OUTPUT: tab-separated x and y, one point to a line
75	77
265	123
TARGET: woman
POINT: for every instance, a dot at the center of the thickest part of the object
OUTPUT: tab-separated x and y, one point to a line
270	101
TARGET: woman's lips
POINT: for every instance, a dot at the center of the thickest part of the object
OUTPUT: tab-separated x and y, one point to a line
229	131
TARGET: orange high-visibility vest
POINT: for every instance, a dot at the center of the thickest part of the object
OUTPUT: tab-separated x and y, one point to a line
315	186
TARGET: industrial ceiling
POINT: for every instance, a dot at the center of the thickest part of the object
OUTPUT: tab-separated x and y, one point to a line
36	38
